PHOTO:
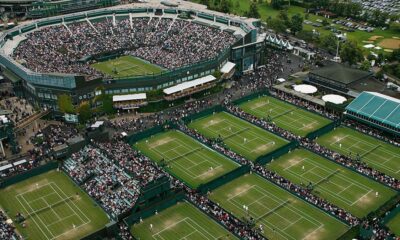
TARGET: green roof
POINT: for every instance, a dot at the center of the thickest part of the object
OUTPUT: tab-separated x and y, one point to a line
340	73
378	107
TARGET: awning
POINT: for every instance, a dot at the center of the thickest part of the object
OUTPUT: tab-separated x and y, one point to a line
189	84
19	162
129	97
228	66
5	167
97	124
281	80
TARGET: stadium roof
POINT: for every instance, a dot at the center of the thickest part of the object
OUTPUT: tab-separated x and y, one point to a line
129	97
340	73
376	106
189	84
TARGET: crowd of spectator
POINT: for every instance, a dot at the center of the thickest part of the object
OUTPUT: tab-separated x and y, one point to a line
103	180
170	43
19	107
7	231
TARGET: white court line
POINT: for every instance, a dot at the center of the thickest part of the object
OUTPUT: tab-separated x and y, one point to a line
23	206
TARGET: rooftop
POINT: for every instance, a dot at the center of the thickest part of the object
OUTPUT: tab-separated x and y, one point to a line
376	106
340	73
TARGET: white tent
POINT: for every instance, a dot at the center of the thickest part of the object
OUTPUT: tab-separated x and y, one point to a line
281	80
333	98
369	46
305	88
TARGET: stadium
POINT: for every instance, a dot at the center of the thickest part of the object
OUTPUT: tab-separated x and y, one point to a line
244	141
125	50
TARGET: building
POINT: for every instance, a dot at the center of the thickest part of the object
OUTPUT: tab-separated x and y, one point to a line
43	89
337	77
7	134
377	110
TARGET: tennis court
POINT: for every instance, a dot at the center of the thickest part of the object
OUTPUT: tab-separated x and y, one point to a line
337	184
126	66
185	157
285	115
54	208
182	221
239	135
377	154
394	224
281	214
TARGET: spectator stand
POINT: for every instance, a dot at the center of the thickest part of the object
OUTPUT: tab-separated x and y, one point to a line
129	101
228	70
189	88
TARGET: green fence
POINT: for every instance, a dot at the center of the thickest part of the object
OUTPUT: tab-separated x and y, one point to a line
204	188
251	97
168	201
144	134
321	131
277	153
204	113
28	174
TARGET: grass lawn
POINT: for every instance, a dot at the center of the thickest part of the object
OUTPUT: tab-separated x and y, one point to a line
181	221
185	157
239	135
285	115
54	208
394	224
282	215
337	184
240	7
127	66
377	154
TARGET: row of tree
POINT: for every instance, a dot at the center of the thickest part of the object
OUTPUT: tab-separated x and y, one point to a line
282	22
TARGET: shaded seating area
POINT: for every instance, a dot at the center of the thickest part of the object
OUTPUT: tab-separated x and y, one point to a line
129	101
189	87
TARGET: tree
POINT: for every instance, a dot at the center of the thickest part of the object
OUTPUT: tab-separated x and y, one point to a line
307	36
325	22
277	24
351	53
277	4
365	65
84	111
329	42
65	103
296	23
253	11
225	6
283	15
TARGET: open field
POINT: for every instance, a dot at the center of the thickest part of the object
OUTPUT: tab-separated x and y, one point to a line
394	224
185	157
285	115
390	43
377	154
54	208
180	222
282	215
337	184
126	66
239	135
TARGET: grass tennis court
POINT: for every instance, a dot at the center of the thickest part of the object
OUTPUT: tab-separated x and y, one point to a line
185	157
127	66
377	154
239	135
285	115
337	184
182	221
282	215
394	224
54	208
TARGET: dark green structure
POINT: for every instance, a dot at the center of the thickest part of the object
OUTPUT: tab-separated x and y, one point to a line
377	110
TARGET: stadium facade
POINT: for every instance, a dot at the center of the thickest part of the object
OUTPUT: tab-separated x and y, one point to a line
42	89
